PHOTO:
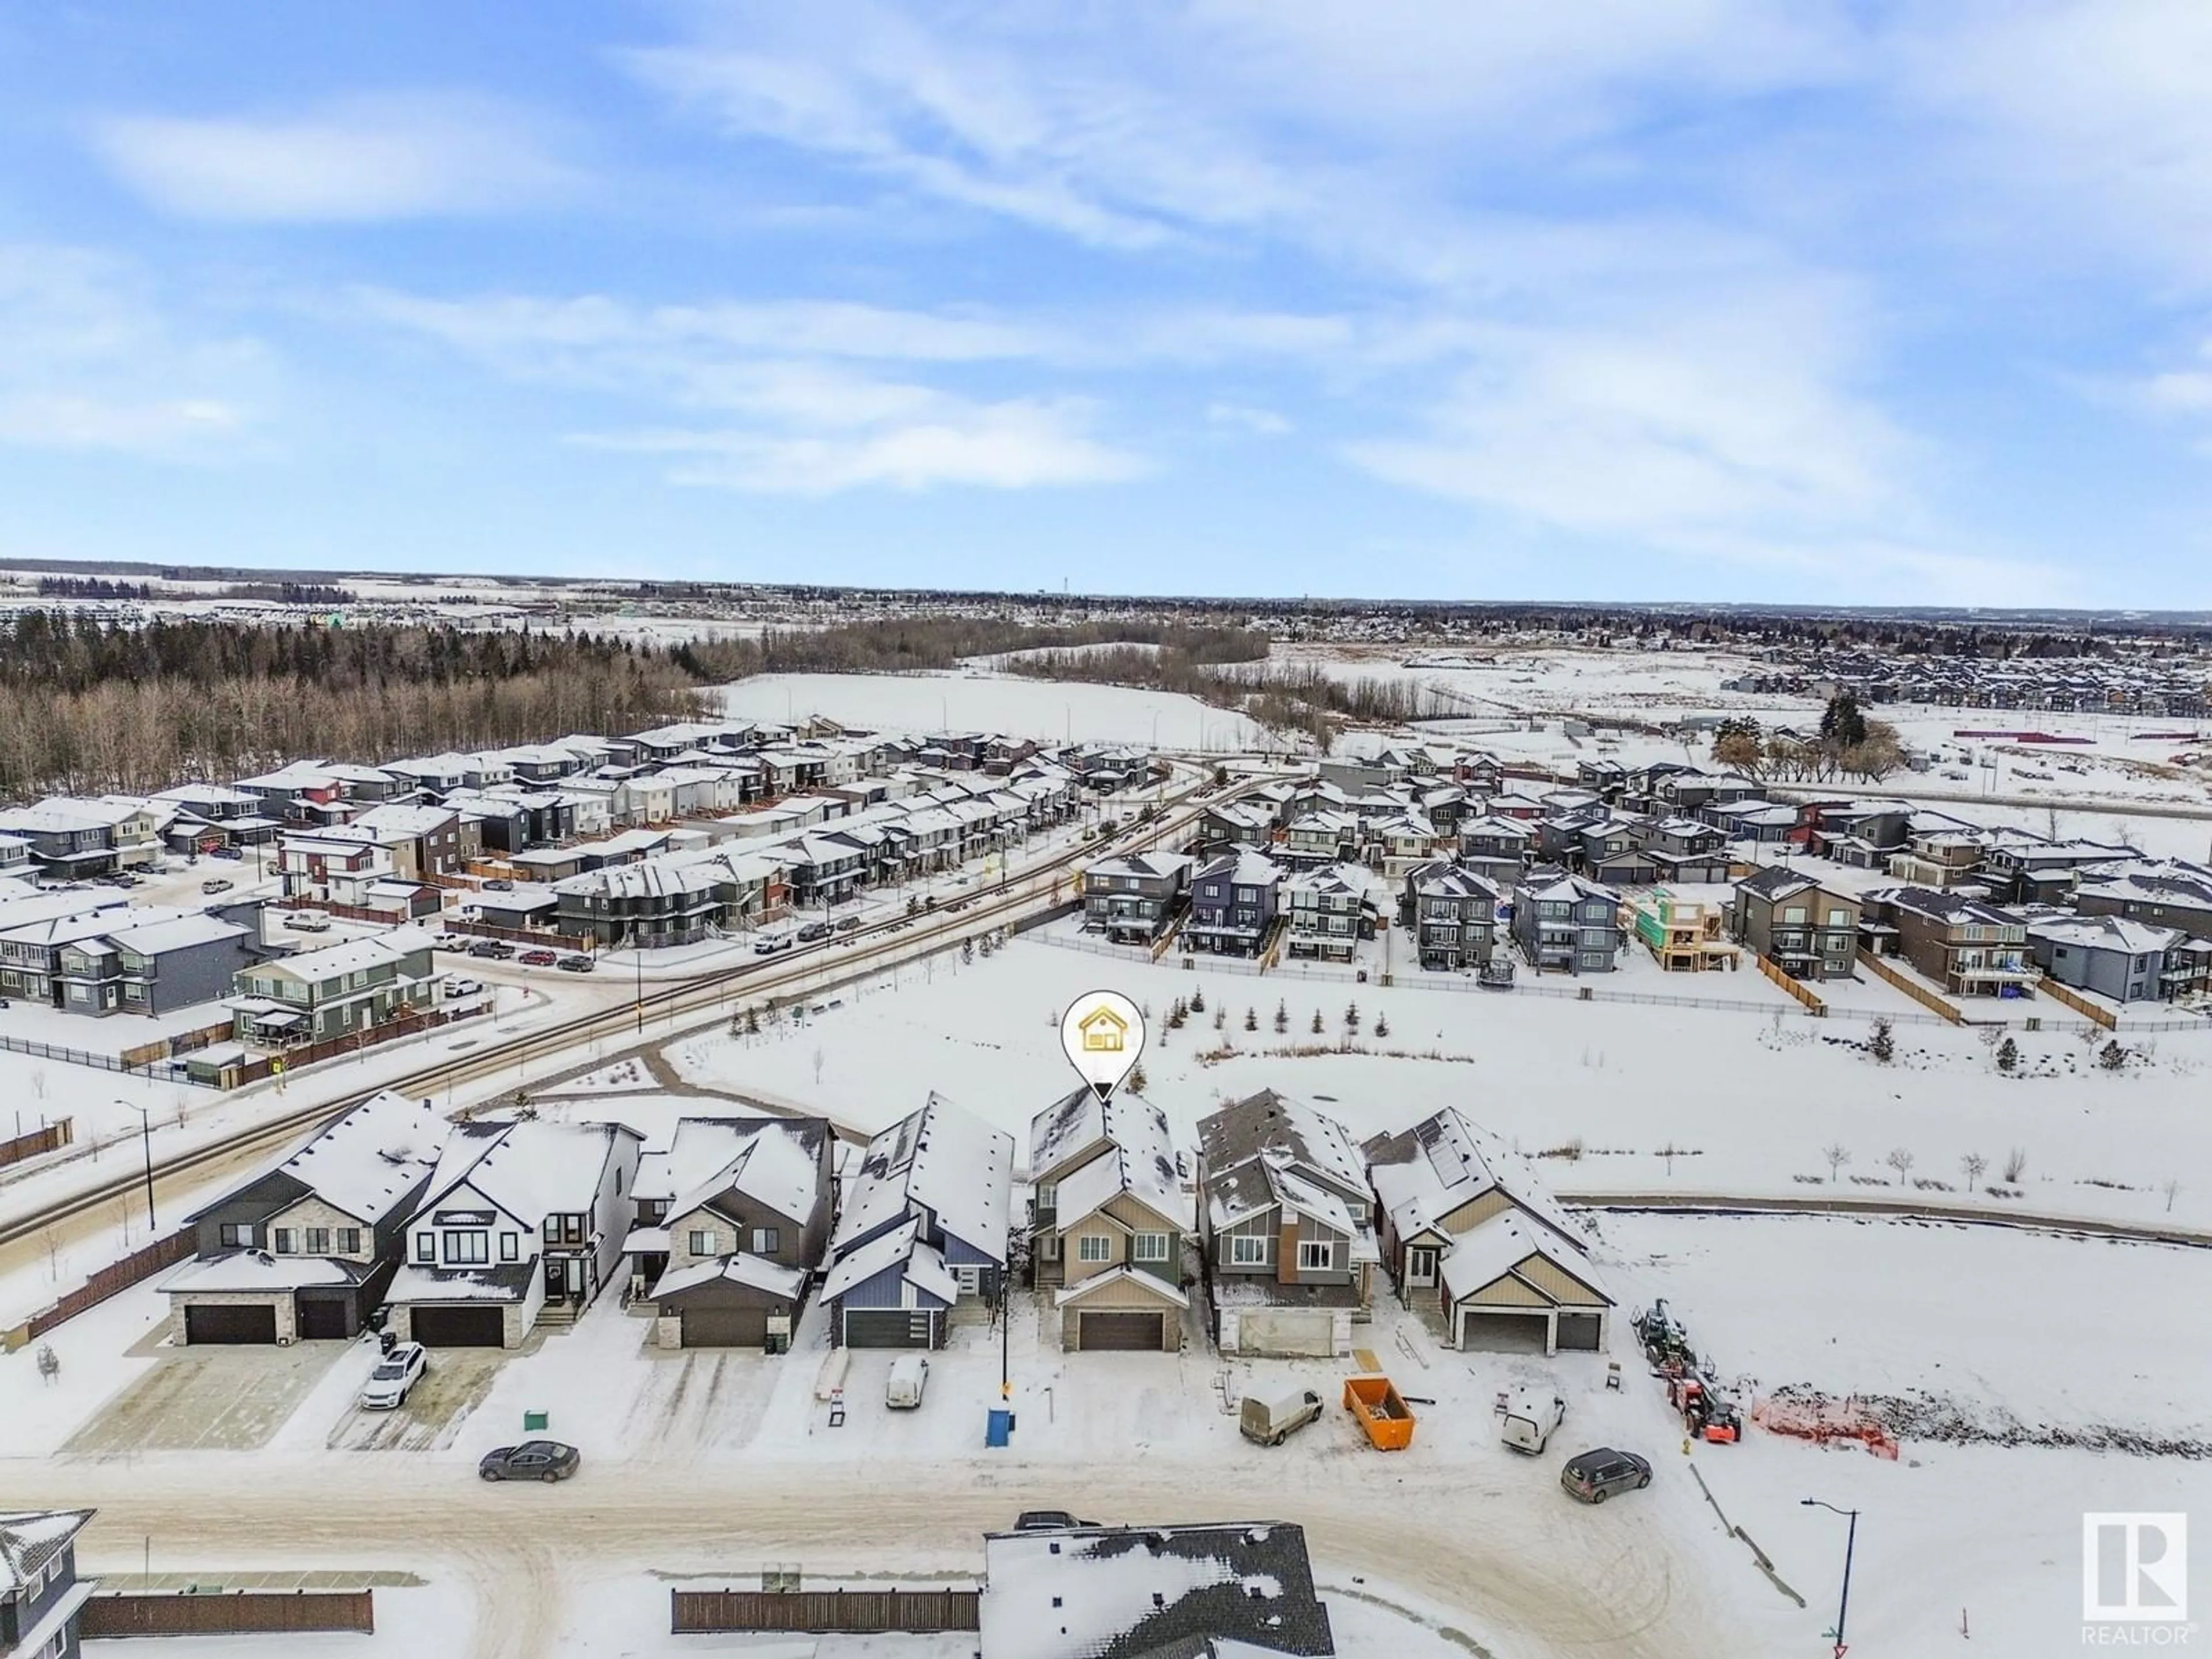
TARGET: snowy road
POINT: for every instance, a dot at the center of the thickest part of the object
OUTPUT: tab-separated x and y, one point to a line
1553	1580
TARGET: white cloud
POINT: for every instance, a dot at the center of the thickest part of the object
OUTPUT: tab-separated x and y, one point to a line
93	362
367	158
1244	417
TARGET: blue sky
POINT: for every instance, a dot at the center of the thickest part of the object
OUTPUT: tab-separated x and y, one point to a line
1633	299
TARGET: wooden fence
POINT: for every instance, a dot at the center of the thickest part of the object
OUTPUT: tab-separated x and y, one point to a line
111	1280
176	1043
237	1613
2080	1005
1815	1004
52	1138
262	1066
1912	988
916	1613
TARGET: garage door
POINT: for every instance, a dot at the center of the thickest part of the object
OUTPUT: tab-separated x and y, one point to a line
1133	1332
887	1328
1501	1333
725	1327
1305	1332
216	1323
458	1328
1580	1331
322	1316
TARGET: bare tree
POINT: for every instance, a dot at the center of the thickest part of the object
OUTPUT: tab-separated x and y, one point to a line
2173	1190
2016	1165
1900	1160
1971	1166
1837	1155
817	1067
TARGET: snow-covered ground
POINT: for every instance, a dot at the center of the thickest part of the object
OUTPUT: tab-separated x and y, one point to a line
970	699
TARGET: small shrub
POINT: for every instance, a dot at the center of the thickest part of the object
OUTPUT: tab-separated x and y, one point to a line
2008	1055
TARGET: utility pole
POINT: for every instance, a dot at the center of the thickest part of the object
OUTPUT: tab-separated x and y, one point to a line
146	1140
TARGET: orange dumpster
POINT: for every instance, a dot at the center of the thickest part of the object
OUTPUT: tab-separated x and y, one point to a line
1374	1401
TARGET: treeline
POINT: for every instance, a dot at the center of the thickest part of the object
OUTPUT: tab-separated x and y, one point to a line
898	645
290	592
92	709
92	587
1305	698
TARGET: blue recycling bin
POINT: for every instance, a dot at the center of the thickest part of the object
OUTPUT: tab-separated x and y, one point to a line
1000	1427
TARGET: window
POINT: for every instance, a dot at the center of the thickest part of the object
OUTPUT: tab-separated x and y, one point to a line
426	1247
1047	1195
510	1247
766	1240
701	1242
234	1235
1839	918
1250	1250
1149	1246
348	1241
318	1241
468	1248
1316	1256
283	1245
1794	913
1093	1247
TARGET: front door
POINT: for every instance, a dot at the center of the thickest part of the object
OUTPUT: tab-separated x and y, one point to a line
1421	1265
575	1275
969	1279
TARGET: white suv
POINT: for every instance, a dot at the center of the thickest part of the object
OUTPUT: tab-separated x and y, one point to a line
395	1374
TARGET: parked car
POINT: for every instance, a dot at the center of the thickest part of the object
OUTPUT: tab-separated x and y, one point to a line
539	958
1047	1520
574	964
499	884
909	1377
216	885
1271	1422
395	1374
458	987
772	945
1595	1476
234	853
495	949
847	924
450	941
308	922
1525	1421
533	1460
815	930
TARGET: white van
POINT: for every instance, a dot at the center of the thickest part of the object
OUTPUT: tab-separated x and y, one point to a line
1525	1421
1271	1422
909	1377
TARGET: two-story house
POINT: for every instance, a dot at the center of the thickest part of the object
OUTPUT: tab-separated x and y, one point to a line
1134	899
1963	946
423	841
2166	893
72	837
1108	1220
922	1227
1452	913
1323	835
1565	923
1232	904
1328	912
41	1597
153	962
731	1220
1236	823
306	1250
1939	857
1684	851
1807	930
522	1224
2120	960
1474	1239
343	991
1495	849
1289	1249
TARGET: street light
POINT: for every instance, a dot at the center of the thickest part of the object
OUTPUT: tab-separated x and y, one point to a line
146	1138
1851	1540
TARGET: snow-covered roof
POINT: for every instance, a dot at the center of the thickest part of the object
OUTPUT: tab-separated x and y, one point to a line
530	1169
2107	933
1497	1247
397	820
507	1282
775	1162
178	933
374	1158
257	1270
1243	868
29	1539
1123	1274
1444	1163
1142	1166
350	956
944	1159
1113	1592
757	1272
901	1247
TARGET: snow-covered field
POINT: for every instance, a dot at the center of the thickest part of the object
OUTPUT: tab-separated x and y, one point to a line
973	700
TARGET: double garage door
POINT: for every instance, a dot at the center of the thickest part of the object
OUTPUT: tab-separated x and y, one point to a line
890	1328
725	1327
237	1322
1122	1330
458	1328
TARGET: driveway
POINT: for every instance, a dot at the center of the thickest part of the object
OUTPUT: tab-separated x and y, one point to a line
453	1386
207	1398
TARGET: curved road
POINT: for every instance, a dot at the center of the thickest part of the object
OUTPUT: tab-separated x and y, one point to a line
1899	1208
1542	1575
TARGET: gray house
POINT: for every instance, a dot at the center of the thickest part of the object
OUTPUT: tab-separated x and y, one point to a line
1565	924
1107	1222
2167	893
307	1249
1452	913
1133	900
1290	1247
923	1227
41	1597
2124	960
1232	904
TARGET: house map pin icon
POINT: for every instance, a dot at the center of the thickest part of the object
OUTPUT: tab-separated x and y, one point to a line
1103	1034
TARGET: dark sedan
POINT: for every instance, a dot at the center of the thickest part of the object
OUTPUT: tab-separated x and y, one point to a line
533	1460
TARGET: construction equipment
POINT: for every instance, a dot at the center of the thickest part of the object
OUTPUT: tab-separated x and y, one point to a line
1382	1411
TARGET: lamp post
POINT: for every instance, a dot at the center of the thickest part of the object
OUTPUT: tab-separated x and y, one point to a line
1851	1540
637	958
146	1140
